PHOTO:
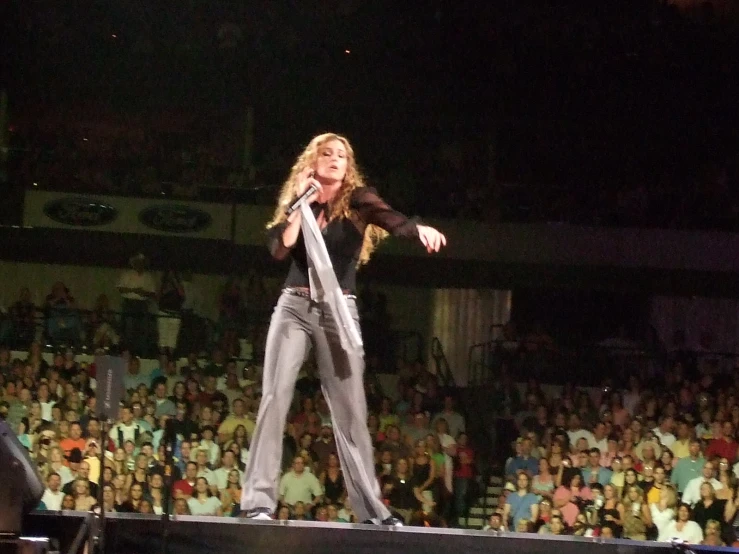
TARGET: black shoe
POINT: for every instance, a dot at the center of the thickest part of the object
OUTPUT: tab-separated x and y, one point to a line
392	522
389	522
258	514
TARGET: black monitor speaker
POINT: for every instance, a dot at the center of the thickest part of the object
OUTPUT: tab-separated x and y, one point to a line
21	487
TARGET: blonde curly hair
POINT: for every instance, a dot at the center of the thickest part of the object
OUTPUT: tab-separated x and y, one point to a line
340	206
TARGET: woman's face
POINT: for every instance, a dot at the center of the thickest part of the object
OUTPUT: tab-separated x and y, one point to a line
137	492
108	494
156	481
120	455
543	466
706	491
576	480
609	492
80	487
402	465
633	494
234	477
333	460
180	507
68	502
683	514
119	481
202	485
332	161
630	476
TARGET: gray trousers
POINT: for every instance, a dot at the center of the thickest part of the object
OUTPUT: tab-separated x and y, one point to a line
297	325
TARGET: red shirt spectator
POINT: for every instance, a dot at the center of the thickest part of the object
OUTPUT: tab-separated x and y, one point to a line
724	446
184	487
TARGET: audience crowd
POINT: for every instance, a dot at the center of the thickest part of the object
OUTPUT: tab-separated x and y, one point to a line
180	439
655	460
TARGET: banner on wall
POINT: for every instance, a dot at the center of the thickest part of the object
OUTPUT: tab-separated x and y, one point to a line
118	214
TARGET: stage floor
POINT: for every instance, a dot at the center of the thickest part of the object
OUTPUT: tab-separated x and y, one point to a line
141	534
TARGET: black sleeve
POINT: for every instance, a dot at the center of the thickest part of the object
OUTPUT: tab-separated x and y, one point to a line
274	241
373	210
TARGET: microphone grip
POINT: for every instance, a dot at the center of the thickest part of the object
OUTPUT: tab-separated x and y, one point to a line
302	198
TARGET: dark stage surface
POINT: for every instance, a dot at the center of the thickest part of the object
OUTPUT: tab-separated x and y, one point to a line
137	534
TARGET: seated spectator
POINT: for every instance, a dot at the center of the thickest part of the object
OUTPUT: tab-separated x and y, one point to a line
53	494
556	526
692	494
69	502
237	418
682	528
74	440
637	515
126	429
298	485
522	505
524	461
184	487
332	481
712	535
134	378
723	444
133	503
83	500
593	472
709	508
83	474
664	509
570	495
203	502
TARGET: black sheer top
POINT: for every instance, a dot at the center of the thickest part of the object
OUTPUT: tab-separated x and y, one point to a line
343	238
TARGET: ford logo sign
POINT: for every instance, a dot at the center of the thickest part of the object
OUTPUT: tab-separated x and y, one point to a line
175	218
80	212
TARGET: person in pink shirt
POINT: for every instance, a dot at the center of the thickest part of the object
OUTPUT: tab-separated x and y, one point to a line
567	497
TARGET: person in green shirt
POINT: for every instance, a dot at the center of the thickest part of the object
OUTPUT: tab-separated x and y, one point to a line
689	467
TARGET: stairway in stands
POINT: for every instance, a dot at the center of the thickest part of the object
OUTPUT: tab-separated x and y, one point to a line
486	504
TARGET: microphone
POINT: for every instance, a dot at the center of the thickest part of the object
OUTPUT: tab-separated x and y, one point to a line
302	198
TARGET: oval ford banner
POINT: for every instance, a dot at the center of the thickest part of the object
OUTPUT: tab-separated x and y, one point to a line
80	211
175	218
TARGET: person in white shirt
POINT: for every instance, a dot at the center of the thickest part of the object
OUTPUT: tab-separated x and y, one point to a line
201	459
682	528
663	512
43	395
228	464
209	445
126	430
298	485
599	438
53	494
576	432
692	493
137	287
664	431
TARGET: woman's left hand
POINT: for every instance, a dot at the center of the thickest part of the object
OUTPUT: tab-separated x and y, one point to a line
432	239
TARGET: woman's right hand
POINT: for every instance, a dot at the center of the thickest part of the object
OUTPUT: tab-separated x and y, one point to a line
306	180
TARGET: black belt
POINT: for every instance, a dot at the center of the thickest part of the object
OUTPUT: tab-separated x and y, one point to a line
304	292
